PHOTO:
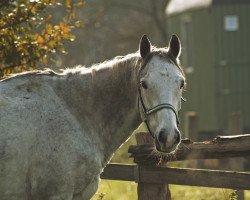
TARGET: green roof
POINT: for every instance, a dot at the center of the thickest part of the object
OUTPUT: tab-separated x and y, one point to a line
178	6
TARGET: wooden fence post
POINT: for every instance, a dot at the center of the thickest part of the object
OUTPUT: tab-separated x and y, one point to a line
191	126
191	132
235	126
150	191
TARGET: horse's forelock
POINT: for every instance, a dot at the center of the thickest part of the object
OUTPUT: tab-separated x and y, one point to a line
162	52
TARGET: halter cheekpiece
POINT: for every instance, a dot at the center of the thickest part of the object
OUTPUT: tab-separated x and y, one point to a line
149	111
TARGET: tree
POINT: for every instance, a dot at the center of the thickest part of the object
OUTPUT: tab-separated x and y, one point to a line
154	9
114	27
29	34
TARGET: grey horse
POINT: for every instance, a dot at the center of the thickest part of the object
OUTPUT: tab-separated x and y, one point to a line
59	130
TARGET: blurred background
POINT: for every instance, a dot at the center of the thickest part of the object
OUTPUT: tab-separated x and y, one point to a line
114	27
215	39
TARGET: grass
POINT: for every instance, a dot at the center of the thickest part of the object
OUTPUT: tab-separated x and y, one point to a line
114	190
123	190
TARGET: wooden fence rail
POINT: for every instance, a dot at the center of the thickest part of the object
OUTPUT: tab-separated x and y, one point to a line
178	176
219	147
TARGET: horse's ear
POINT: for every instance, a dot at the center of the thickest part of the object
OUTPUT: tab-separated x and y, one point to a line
175	46
145	46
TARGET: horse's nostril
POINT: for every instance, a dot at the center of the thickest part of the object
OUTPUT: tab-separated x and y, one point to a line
162	136
177	137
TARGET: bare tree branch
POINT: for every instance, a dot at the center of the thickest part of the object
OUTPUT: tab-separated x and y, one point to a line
156	11
158	21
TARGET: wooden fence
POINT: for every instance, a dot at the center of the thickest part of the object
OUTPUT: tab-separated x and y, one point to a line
153	177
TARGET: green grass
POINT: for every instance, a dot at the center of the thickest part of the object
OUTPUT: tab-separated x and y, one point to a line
195	193
116	190
123	190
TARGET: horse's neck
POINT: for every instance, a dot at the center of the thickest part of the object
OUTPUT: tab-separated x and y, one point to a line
109	99
115	105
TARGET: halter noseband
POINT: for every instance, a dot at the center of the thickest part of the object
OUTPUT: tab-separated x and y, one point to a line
147	112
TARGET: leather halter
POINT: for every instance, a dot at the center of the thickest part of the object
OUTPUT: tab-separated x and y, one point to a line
149	111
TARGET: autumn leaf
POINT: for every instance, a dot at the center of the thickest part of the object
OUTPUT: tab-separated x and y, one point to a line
28	36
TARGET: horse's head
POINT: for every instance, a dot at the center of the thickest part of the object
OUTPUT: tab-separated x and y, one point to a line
160	85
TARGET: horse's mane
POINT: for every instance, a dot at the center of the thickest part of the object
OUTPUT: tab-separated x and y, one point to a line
121	60
81	69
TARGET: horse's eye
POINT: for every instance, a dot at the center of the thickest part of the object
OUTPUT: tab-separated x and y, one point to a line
182	84
143	84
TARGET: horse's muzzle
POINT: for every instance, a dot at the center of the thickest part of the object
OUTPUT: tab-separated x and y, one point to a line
167	142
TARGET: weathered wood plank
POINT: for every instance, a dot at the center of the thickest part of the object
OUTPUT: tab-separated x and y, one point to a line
124	172
235	125
178	176
151	191
196	177
219	147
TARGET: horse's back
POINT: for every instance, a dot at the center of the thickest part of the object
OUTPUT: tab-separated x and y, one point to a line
26	106
38	141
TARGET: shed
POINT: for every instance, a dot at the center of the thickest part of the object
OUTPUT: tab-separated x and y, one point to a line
215	36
